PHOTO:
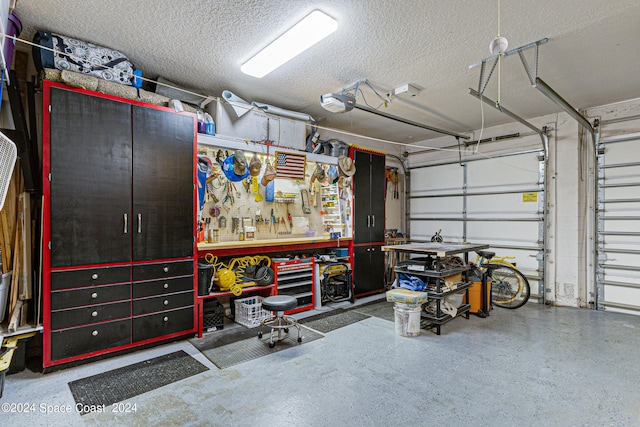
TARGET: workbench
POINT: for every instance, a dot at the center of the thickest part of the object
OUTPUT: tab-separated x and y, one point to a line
239	248
285	244
432	262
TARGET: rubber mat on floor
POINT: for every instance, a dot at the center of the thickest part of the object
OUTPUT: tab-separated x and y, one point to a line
252	348
223	337
124	383
383	310
330	321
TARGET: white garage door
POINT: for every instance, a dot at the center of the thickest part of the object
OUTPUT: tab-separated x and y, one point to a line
498	201
618	223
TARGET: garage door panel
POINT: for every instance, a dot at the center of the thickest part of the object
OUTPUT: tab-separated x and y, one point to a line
422	231
617	193
622	226
622	295
618	153
504	172
500	233
437	180
622	209
486	196
500	205
436	206
615	241
618	227
622	259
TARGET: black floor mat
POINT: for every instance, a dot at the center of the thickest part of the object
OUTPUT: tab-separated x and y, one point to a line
251	348
129	381
330	321
381	309
223	337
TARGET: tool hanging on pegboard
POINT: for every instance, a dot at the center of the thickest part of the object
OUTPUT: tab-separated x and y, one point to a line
392	176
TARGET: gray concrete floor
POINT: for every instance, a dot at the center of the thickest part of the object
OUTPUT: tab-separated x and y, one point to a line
535	366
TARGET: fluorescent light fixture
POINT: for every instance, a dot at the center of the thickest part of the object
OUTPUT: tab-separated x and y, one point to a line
313	28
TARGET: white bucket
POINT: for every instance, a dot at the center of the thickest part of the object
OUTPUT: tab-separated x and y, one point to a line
407	319
4	292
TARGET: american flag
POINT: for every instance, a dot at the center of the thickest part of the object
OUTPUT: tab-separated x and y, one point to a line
289	165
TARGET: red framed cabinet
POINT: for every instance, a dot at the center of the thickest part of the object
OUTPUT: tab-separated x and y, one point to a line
119	227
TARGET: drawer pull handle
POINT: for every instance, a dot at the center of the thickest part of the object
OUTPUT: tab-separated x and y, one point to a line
94	314
94	333
126	223
94	295
139	223
166	319
166	286
166	302
94	276
165	269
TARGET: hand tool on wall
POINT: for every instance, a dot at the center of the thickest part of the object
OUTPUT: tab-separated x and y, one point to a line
284	224
290	218
258	219
201	230
274	222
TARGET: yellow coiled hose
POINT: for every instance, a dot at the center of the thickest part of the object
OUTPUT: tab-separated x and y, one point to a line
231	277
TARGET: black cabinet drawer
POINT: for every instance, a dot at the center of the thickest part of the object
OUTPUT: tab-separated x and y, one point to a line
305	300
163	286
295	290
88	339
89	277
165	323
162	269
61	319
163	302
87	296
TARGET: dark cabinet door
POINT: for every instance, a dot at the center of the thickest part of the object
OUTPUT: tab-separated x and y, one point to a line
368	269
90	143
162	184
369	183
362	201
378	182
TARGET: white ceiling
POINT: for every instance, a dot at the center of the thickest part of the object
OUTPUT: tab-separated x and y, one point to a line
592	56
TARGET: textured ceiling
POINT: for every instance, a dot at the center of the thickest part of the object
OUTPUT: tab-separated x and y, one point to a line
591	58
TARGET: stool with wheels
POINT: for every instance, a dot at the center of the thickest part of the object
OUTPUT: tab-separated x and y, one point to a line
278	304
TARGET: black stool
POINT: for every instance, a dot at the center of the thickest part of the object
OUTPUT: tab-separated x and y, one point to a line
279	304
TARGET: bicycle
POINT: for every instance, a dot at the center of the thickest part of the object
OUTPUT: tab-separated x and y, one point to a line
509	287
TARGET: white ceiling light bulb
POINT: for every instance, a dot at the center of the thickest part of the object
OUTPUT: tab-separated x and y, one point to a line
498	45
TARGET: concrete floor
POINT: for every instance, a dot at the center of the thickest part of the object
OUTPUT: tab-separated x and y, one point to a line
535	366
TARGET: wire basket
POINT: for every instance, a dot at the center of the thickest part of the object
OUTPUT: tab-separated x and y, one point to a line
249	311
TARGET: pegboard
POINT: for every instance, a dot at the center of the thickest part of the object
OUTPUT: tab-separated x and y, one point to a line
244	203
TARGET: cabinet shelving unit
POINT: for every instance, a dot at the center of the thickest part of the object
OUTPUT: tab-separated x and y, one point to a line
118	224
368	222
332	215
434	274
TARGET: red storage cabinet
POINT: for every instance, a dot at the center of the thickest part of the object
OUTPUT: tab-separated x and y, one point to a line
296	278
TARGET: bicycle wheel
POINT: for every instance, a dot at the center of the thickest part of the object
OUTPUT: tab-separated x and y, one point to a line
509	287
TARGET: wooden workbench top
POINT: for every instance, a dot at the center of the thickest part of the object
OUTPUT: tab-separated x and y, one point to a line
271	242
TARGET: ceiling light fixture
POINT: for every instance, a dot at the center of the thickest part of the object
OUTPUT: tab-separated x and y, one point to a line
313	28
